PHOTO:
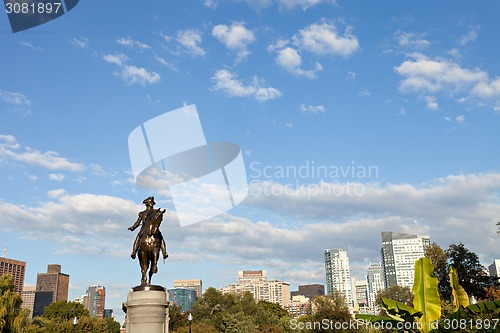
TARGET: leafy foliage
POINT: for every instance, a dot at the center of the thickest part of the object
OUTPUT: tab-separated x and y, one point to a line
471	274
397	293
235	313
426	295
12	319
64	311
439	260
460	297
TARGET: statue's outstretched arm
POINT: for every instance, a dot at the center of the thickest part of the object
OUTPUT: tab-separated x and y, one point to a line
136	224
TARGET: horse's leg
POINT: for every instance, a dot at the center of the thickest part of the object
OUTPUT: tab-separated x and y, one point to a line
151	271
144	266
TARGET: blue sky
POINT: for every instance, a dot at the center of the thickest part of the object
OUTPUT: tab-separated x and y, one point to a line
410	89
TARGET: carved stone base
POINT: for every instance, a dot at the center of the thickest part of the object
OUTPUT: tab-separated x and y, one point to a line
146	310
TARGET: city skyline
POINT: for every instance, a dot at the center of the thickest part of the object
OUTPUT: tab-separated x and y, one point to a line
352	118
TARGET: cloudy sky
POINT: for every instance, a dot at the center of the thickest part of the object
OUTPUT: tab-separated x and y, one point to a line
353	118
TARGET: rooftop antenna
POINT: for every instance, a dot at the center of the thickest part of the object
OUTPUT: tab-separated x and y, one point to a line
5	249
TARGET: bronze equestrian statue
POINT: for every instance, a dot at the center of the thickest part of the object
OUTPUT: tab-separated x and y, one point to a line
149	240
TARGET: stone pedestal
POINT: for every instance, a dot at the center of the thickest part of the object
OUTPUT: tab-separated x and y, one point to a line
146	310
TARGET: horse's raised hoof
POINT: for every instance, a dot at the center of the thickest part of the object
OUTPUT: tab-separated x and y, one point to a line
165	256
132	255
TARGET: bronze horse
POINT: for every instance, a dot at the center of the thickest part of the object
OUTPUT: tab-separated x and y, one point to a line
149	246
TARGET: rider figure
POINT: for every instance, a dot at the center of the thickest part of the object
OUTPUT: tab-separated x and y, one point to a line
146	214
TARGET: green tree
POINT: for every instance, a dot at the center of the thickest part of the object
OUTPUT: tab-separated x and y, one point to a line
396	293
12	319
113	325
238	323
88	324
471	274
331	308
176	318
439	260
62	311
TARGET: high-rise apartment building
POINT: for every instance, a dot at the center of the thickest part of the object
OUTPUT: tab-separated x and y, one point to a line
50	287
16	269
375	280
494	268
256	282
28	296
399	253
94	301
195	284
361	296
338	275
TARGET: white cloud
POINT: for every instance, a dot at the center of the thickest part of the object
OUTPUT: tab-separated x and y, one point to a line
80	232
280	44
165	63
56	193
118	59
412	41
324	39
210	4
304	4
315	109
431	103
51	160
58	177
351	75
31	46
132	74
229	84
235	37
139	75
422	75
287	4
452	209
487	89
81	43
426	75
129	42
365	93
15	98
470	36
460	119
289	59
190	41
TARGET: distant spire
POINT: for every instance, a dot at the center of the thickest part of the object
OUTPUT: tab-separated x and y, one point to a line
5	249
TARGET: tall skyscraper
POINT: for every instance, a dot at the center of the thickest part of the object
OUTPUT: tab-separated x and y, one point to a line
375	279
15	268
338	276
195	284
50	287
256	282
94	301
399	253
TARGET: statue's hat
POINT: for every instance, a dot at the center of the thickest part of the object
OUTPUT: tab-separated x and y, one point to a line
150	200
